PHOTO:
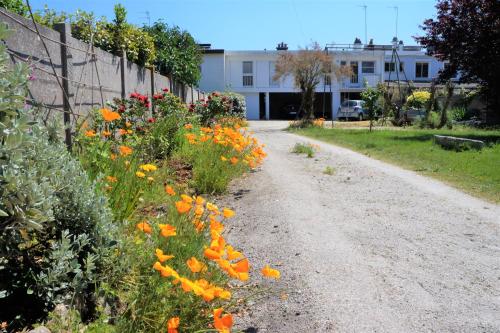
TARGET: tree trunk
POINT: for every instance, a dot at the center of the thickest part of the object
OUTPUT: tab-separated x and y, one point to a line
307	105
444	111
430	103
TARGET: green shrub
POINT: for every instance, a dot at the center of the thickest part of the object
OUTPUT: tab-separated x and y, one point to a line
219	105
303	148
53	224
458	113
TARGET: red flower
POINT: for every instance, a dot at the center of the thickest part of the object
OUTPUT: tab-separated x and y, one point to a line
158	96
165	89
134	95
151	120
205	105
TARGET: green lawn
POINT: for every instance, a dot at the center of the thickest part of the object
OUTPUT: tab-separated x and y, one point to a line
476	172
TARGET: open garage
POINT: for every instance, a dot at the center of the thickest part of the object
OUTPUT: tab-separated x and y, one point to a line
286	105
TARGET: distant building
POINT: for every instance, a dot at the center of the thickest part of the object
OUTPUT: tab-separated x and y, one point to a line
250	73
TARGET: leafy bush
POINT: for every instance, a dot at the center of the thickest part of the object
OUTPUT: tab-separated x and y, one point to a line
458	113
53	225
219	105
304	148
178	55
418	99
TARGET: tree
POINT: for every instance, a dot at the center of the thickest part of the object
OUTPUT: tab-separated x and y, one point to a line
15	6
370	96
467	34
308	66
178	55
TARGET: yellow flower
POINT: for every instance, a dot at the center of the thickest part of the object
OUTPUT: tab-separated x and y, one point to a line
140	174
148	167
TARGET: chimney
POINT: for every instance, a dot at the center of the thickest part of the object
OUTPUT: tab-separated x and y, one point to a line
357	44
282	47
394	42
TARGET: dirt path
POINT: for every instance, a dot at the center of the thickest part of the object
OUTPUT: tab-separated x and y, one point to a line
372	248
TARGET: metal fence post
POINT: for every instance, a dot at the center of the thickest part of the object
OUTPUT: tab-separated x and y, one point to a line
66	66
123	63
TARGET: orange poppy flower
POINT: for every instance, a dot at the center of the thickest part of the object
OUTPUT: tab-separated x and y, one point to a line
173	325
111	179
90	133
182	207
188	126
167	230
222	323
169	190
144	226
195	266
227	213
211	254
162	257
109	115
271	273
232	254
241	266
125	151
233	160
186	198
106	133
121	131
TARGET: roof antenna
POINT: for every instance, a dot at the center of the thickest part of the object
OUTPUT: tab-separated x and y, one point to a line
366	29
396	8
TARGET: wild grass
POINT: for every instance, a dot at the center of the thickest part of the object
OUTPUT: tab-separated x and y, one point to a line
303	148
330	171
476	172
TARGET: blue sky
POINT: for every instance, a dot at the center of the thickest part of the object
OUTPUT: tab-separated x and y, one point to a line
260	24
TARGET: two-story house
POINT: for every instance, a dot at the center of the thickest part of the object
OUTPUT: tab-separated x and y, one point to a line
251	73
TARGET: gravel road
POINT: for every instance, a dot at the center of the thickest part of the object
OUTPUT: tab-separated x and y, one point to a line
372	248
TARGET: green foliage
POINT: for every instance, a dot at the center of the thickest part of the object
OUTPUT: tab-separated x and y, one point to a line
303	148
418	99
113	37
371	96
53	225
458	113
178	55
167	103
219	105
15	6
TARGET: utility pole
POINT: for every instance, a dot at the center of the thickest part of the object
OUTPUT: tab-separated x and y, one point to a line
366	28
396	8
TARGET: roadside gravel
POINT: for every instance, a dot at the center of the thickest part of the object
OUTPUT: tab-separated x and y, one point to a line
371	248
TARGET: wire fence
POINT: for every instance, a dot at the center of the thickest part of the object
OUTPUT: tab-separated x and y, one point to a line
71	77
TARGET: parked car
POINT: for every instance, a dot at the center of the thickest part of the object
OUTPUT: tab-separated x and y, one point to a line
352	109
413	115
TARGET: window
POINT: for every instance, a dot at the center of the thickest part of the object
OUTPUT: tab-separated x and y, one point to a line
328	79
368	67
422	70
272	71
389	67
247	73
401	66
354	69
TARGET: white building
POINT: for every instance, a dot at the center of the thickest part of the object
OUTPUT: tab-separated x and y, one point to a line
250	73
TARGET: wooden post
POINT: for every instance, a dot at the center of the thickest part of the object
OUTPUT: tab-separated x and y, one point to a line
66	68
123	63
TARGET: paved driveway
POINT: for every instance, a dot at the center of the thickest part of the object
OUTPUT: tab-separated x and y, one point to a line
372	248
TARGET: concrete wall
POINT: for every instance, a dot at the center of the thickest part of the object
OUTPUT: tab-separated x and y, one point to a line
252	102
212	73
92	80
